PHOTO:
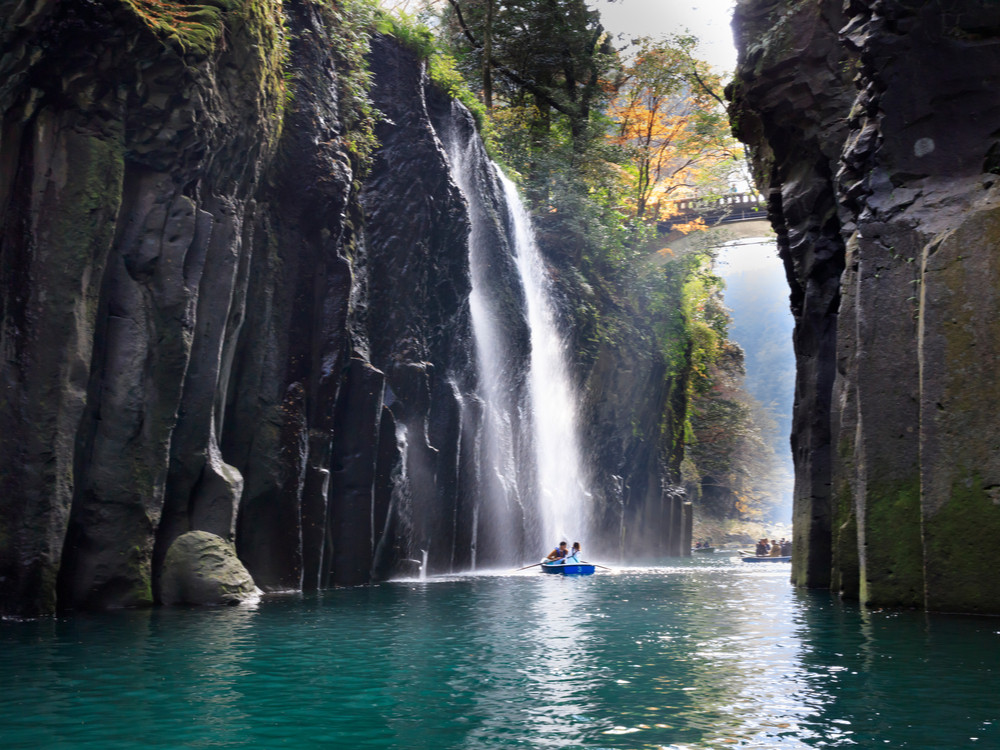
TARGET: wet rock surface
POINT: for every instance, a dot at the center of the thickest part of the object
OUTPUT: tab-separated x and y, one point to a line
191	293
873	182
202	568
108	259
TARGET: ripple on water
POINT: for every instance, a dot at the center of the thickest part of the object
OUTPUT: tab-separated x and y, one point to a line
696	655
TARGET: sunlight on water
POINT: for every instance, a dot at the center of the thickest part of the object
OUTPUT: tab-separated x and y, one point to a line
688	655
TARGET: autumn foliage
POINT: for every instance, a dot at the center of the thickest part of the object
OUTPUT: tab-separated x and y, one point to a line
671	127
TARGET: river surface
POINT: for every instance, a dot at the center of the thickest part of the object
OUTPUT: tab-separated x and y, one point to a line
707	653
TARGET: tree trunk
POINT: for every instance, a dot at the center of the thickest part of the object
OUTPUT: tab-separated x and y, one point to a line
488	57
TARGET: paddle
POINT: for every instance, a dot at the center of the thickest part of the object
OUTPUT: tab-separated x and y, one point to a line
582	562
530	566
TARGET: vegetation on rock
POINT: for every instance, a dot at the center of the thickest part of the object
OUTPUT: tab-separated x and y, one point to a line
602	141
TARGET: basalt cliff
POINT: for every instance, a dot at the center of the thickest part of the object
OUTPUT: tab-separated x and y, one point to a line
218	328
874	129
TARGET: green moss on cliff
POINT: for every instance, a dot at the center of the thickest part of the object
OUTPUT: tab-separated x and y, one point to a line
845	575
351	24
442	68
960	541
892	565
190	27
251	33
88	204
141	594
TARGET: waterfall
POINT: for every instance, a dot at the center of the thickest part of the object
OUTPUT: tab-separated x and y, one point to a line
532	489
399	515
500	507
563	494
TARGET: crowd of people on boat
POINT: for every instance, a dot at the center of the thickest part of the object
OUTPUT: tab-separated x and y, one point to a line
561	552
774	548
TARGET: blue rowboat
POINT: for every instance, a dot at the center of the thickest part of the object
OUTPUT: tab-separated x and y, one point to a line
568	567
766	559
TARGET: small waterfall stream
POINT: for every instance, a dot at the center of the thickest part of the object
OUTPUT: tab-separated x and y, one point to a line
533	490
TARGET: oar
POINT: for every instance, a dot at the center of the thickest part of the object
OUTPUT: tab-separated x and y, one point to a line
529	566
584	562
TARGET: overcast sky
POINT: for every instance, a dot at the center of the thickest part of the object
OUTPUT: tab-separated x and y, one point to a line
706	19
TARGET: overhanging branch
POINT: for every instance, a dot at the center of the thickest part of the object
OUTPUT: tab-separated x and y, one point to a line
705	86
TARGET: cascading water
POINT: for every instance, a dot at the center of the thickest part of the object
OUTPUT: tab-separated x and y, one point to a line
499	507
533	488
563	495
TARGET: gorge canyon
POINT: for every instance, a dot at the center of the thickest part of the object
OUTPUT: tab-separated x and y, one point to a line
219	322
222	316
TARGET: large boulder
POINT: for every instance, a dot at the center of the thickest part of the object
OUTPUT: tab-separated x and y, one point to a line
202	568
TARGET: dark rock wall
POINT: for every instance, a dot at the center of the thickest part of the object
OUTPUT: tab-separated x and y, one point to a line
417	279
873	127
203	323
632	412
213	322
130	159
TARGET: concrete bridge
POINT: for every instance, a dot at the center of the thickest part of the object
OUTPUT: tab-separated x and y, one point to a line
726	209
733	216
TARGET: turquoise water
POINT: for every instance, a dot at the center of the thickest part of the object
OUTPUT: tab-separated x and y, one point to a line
701	654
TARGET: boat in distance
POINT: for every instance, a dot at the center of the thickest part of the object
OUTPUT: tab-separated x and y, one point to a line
703	550
758	559
568	567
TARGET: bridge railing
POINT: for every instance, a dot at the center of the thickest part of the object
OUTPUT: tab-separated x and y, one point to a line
729	200
724	209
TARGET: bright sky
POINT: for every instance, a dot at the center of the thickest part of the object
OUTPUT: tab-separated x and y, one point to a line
706	19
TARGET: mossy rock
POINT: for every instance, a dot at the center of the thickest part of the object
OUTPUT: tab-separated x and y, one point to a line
190	26
202	568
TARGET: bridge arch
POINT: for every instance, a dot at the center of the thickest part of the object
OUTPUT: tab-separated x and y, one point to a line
678	243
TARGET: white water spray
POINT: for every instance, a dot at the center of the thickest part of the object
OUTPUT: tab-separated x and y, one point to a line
500	505
562	483
529	458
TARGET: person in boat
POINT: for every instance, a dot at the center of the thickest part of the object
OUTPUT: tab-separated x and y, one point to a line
786	547
575	552
761	548
559	552
775	548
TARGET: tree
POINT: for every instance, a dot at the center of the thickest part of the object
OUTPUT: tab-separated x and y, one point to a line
671	125
550	54
729	453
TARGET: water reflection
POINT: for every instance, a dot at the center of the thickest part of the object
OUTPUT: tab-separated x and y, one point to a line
705	654
562	669
922	681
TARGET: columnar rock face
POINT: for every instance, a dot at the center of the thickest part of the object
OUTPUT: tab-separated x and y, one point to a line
872	129
201	330
213	323
131	145
630	397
